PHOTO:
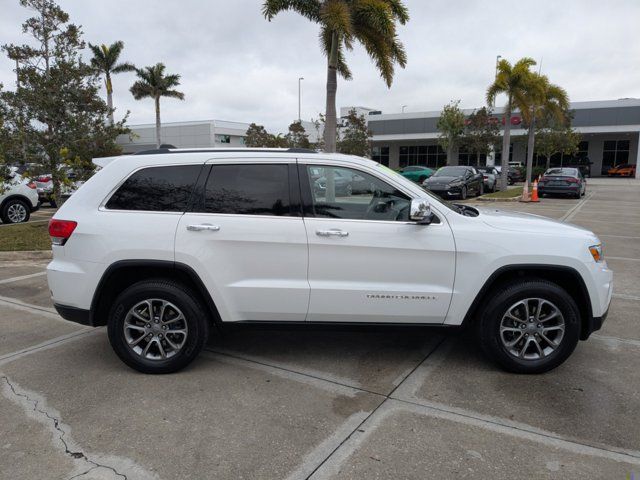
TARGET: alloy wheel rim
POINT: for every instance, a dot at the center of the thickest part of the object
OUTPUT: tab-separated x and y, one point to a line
17	213
155	329
532	329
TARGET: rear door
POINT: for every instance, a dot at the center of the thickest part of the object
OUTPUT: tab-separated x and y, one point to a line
246	239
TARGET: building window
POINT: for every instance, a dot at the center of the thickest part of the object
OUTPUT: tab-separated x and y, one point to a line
467	157
380	155
498	155
616	152
223	139
560	159
429	155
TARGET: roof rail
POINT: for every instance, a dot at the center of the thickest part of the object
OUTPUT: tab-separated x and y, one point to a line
164	149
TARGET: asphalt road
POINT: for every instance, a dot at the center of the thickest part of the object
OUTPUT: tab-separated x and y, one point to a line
324	403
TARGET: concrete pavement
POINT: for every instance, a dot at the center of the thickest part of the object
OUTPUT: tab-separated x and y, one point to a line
325	403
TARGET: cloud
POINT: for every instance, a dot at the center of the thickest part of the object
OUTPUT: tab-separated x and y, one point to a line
237	66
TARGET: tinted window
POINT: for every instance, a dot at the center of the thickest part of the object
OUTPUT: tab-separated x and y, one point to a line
156	189
248	190
355	195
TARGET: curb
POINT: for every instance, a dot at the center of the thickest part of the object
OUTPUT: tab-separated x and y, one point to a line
512	199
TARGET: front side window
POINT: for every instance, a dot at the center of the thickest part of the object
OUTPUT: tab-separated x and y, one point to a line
248	190
351	194
156	189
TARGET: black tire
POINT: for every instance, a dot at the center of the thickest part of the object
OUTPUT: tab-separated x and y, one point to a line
480	189
463	193
52	203
510	181
195	314
10	206
492	312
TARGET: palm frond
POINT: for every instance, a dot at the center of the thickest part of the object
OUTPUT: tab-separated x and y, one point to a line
123	67
309	9
336	16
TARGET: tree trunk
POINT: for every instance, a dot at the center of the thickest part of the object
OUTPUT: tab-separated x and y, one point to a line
506	141
158	141
330	113
477	159
530	147
109	97
548	161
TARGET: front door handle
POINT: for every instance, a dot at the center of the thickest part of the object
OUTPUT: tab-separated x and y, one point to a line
204	226
334	232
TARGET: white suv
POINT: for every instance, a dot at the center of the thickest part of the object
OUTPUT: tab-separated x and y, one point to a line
162	245
18	198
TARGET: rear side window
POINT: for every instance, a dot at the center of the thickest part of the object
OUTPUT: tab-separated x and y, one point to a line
248	190
156	189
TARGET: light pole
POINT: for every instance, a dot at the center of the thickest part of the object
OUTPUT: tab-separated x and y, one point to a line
403	107
299	96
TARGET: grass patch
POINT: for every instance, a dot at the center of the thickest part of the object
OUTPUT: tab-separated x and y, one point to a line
509	193
25	236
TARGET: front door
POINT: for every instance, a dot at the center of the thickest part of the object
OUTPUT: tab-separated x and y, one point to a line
367	262
246	240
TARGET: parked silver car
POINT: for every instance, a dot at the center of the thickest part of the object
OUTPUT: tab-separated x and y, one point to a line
490	176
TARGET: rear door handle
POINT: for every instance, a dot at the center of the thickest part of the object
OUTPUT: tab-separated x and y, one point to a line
204	226
334	232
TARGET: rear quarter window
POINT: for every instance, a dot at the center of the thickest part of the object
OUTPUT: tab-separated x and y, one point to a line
156	189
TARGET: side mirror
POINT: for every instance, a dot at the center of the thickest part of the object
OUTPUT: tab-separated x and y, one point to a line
420	211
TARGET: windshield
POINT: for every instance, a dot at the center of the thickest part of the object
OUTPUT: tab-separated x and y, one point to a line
486	169
450	172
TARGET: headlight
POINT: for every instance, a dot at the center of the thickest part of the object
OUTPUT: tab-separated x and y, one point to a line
596	252
457	183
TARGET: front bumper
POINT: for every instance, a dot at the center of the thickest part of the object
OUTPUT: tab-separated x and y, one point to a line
445	191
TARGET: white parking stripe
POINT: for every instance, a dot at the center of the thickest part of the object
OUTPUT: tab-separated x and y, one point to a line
625	296
625	259
54	342
572	213
23	277
20	305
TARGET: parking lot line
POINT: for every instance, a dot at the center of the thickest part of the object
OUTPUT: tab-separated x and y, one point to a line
571	213
54	342
616	340
625	296
22	277
20	305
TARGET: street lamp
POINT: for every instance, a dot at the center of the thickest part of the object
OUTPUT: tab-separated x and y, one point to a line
403	107
497	61
299	95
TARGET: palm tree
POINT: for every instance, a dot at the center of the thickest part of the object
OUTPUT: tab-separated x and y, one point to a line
153	83
105	61
372	23
515	82
546	101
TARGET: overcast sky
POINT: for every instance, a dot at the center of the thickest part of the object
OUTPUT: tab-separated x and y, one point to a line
237	66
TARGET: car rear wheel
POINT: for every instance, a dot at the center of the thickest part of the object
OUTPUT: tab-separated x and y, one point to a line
15	211
157	326
532	326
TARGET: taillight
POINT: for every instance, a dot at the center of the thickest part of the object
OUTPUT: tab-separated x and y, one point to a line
572	180
485	176
43	179
61	230
32	185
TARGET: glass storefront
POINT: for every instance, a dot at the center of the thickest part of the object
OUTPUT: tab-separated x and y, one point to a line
429	155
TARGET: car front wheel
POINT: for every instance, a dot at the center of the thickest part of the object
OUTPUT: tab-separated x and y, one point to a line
463	193
157	326
530	327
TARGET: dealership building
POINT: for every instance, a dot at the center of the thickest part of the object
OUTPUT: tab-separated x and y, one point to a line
205	133
610	136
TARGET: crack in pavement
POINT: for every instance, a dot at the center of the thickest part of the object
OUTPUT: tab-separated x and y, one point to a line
55	422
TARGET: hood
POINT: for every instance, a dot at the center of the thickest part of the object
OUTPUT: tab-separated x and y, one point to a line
442	180
530	223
